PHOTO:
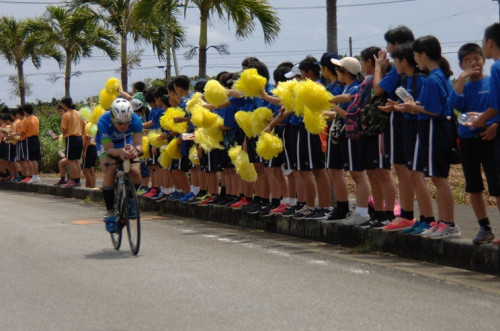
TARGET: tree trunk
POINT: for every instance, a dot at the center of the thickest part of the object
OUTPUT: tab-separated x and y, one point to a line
20	81
168	70
124	64
174	56
331	26
67	76
202	61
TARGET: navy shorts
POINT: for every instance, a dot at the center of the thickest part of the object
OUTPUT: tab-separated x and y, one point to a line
90	157
252	151
394	139
374	159
182	164
145	173
290	146
310	156
277	161
74	147
355	160
474	153
335	151
32	150
212	161
410	138
433	147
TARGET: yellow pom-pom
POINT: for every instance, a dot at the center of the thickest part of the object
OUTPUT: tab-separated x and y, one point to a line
233	152
88	127
196	99
313	96
260	119
250	83
96	114
244	120
112	86
202	117
106	99
193	155
153	136
167	120
165	160
269	146
174	149
314	122
85	113
285	91
215	93
93	130
242	165
247	172
145	148
205	141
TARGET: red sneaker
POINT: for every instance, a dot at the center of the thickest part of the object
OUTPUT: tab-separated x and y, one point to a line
152	192
280	209
27	179
207	201
243	202
399	224
70	184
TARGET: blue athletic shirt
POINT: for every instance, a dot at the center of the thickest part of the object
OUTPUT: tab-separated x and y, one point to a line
334	88
495	90
390	82
352	90
475	97
106	131
155	115
434	95
409	87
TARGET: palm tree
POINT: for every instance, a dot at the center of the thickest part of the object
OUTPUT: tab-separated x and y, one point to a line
170	34
117	14
19	43
76	34
331	25
242	13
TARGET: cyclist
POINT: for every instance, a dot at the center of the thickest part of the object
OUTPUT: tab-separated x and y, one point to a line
119	136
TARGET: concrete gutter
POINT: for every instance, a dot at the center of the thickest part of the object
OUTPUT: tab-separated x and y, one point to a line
458	253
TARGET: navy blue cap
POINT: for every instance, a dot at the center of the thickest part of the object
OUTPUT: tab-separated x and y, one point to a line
327	57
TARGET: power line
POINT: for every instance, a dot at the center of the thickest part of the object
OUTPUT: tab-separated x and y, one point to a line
350	5
433	20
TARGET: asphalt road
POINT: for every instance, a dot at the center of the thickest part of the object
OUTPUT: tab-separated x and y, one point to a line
59	272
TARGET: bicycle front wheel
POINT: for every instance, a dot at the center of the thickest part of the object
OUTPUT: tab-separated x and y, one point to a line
133	219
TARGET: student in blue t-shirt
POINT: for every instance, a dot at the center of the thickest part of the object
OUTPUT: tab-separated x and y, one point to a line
477	146
491	50
345	154
393	136
412	81
434	134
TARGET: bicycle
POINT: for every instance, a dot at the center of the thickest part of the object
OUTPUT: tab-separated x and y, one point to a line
125	193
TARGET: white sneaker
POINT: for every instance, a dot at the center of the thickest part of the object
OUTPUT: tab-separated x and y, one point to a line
445	231
355	218
434	227
34	180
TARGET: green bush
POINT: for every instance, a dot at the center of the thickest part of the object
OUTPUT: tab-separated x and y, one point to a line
49	120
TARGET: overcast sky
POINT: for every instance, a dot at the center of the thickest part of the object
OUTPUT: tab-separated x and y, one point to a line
303	32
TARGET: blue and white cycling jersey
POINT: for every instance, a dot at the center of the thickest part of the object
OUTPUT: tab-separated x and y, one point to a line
106	131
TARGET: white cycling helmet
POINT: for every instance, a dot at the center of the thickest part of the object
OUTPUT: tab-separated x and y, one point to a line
121	111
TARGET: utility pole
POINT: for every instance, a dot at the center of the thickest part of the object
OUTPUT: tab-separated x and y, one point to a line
498	8
350	45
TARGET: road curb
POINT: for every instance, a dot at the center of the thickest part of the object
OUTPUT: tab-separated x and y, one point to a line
459	253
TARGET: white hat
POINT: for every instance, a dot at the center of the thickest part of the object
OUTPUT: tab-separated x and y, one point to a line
294	72
351	64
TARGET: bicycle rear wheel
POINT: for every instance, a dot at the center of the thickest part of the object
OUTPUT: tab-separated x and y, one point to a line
133	223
